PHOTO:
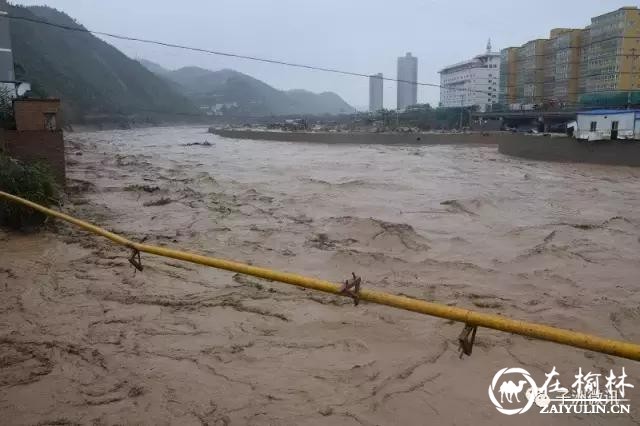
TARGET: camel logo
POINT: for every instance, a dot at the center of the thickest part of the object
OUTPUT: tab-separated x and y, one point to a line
515	384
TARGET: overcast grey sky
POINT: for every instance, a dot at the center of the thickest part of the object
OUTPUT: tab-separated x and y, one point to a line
363	36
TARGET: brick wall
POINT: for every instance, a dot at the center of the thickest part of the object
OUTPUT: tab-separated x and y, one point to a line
45	146
35	114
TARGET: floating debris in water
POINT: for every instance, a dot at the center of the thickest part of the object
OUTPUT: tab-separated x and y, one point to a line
205	143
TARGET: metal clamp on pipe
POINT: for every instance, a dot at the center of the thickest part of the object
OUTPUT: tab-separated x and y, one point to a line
629	350
135	259
352	283
466	339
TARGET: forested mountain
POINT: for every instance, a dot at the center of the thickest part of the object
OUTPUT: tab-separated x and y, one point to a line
93	78
88	74
251	95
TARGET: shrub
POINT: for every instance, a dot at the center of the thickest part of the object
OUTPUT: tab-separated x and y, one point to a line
35	182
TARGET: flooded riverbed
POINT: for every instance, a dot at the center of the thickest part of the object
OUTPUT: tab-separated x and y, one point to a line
92	341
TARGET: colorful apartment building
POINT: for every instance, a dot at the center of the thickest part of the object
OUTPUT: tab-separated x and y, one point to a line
530	72
507	89
610	69
562	66
597	65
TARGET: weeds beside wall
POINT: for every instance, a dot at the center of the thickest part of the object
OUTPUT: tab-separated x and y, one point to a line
35	182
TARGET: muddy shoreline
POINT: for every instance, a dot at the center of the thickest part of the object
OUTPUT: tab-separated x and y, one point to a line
85	339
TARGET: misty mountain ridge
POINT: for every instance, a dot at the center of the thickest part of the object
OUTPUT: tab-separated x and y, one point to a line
243	94
94	79
91	77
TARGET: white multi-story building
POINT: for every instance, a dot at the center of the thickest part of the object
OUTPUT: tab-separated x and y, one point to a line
376	89
472	82
408	77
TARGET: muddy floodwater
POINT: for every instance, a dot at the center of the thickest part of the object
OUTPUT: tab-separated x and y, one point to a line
84	339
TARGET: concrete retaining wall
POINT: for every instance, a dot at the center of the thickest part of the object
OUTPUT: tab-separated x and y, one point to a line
368	138
526	146
569	150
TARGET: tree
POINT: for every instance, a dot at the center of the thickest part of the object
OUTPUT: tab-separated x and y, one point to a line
7	118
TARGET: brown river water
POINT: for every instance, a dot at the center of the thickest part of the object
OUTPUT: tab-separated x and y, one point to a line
84	339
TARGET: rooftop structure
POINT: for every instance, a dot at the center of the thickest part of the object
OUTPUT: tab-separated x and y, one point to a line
471	82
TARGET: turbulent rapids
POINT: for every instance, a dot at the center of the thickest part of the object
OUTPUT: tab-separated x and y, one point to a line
87	339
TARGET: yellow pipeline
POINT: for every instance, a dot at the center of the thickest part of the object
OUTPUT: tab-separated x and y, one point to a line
538	331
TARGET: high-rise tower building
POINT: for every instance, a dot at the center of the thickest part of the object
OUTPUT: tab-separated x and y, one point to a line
375	92
408	77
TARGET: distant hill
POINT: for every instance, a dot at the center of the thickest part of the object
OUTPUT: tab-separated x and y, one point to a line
88	74
94	79
152	66
252	96
318	103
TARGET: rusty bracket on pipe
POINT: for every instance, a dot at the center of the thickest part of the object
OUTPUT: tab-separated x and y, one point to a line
352	283
466	339
135	260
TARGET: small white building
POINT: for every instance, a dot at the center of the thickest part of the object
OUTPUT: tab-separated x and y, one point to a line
472	82
608	124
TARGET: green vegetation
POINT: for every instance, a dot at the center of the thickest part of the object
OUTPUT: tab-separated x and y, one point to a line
92	78
96	82
7	117
35	182
425	117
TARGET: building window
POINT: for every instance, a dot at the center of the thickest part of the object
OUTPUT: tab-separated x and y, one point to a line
50	121
594	126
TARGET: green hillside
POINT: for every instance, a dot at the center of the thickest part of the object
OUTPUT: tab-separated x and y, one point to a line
94	79
89	75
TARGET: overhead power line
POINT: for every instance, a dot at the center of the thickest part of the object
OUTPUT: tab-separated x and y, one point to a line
227	54
80	29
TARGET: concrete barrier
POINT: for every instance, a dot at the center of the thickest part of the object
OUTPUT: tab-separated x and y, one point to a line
621	153
366	138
